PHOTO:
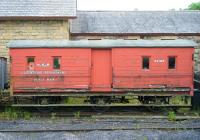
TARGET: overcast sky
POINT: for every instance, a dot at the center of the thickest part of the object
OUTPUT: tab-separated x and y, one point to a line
133	4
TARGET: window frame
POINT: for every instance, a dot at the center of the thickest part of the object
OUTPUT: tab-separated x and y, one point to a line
149	57
59	58
27	62
175	62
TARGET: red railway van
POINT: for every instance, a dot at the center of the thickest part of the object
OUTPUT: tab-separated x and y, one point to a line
101	66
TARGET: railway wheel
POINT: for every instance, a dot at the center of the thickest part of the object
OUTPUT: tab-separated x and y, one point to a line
103	101
152	102
44	102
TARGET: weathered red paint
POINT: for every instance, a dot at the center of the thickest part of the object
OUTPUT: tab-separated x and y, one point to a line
128	72
100	70
74	72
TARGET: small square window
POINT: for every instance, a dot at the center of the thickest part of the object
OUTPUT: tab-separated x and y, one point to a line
30	63
145	62
56	62
171	62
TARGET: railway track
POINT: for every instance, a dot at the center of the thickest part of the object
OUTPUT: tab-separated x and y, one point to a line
113	112
108	121
88	130
117	115
110	126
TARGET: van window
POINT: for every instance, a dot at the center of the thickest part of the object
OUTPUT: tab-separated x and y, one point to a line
145	62
30	63
56	62
171	62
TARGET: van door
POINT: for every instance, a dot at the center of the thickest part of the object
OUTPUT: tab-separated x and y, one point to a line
101	70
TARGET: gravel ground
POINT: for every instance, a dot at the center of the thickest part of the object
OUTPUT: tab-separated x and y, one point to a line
74	124
88	124
106	135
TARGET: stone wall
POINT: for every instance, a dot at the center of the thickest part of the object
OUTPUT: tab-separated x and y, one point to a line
16	30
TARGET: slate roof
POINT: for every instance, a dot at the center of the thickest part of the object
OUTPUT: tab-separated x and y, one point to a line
136	22
37	8
100	43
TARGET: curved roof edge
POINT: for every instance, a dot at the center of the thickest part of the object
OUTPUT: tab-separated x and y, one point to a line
99	43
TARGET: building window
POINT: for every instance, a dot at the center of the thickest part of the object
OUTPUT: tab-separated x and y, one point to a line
56	62
31	63
171	62
145	62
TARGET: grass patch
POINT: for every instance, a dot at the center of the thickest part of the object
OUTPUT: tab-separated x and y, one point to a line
13	113
77	114
74	100
171	116
180	100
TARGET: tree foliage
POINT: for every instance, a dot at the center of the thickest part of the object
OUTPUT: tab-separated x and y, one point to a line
194	6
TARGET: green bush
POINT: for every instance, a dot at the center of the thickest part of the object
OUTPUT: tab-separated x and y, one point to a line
171	116
77	114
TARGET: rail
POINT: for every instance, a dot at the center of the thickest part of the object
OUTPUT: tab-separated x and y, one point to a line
110	126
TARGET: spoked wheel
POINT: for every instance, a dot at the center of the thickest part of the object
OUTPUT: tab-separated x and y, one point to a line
103	101
45	101
153	101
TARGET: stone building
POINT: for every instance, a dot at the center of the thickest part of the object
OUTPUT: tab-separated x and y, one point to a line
131	25
34	19
59	19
